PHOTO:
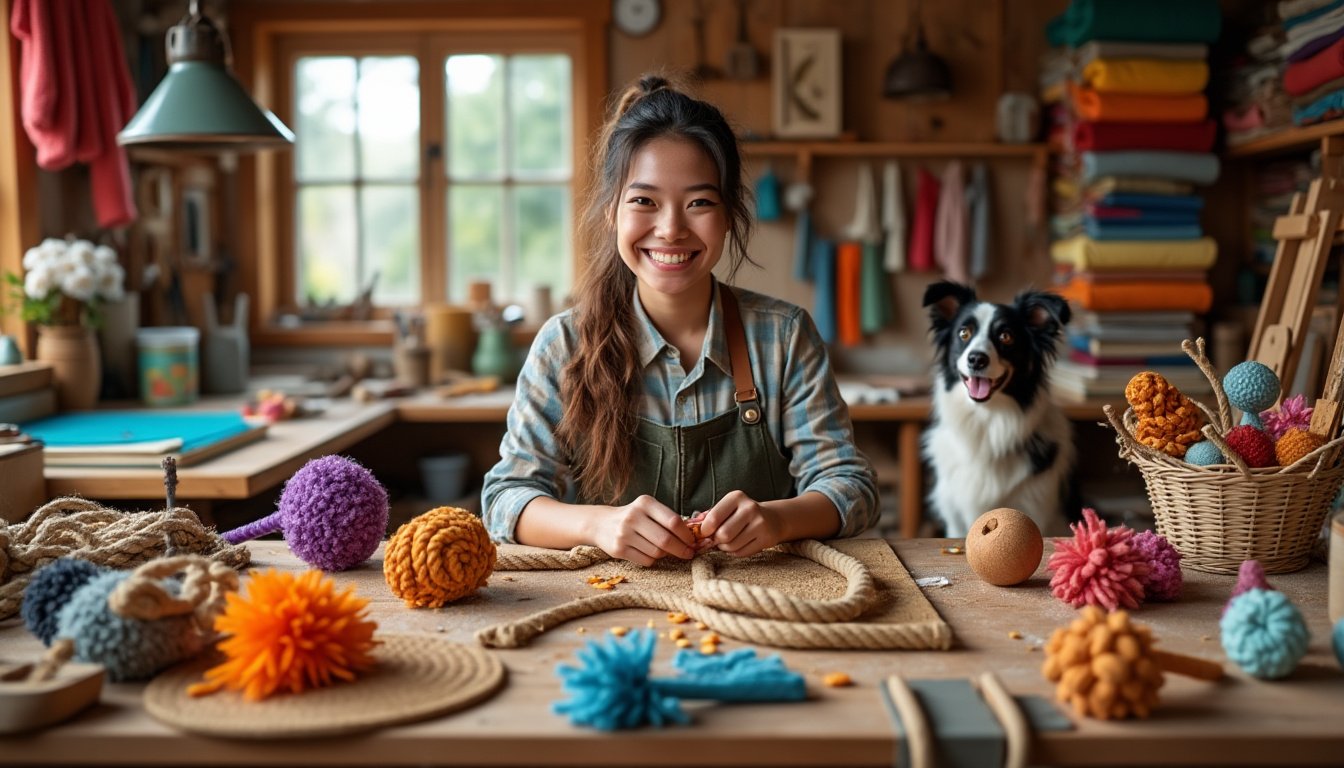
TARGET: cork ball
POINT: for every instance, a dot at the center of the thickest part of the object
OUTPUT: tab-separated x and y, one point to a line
1252	445
438	557
1295	444
1168	421
1251	387
1004	547
1204	453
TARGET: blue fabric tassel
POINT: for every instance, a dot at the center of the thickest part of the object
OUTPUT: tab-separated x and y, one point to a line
823	276
802	247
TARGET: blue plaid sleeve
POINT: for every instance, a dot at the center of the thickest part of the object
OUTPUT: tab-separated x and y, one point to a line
530	464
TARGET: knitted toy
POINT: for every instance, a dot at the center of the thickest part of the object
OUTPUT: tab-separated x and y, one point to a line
1106	667
1163	581
612	689
290	632
1264	633
1251	575
1252	445
135	623
333	513
1252	387
1293	412
1098	567
1204	453
438	557
1167	420
1296	443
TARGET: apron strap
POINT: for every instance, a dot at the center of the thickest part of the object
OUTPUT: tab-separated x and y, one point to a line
744	386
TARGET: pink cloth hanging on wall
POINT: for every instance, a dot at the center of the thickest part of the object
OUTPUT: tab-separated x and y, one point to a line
76	94
920	253
949	229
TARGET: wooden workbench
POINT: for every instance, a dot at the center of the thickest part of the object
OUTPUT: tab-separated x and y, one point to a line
1238	721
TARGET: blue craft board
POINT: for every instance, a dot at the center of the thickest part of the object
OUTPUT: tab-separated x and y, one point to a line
197	429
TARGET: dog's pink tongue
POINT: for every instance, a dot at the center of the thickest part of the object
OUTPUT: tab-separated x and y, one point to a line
978	387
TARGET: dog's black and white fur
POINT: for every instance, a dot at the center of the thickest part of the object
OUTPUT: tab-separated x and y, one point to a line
996	440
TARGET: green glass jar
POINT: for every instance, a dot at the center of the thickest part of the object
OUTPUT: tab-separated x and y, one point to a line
495	354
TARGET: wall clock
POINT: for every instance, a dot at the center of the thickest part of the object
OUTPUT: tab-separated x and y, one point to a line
636	17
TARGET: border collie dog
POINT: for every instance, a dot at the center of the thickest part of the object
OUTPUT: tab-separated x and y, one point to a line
996	440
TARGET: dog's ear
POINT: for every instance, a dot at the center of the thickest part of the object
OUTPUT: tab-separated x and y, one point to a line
1045	313
944	299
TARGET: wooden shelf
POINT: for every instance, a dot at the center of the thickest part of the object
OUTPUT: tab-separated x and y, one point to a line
805	151
1288	140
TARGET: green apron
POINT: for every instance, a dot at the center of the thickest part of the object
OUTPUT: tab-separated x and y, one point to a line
691	468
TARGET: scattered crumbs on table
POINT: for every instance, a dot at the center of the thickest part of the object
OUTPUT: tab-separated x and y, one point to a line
581	630
837	680
440	629
619	631
507	578
1014	635
1206	638
701	625
954	550
933	581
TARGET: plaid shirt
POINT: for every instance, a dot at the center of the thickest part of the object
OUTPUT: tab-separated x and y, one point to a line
801	403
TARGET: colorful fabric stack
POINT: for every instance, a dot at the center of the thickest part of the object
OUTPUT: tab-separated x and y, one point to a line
1313	50
1252	88
1134	141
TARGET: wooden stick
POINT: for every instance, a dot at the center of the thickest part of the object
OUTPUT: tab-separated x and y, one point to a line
1190	666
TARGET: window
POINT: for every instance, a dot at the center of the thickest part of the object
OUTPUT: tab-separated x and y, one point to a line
431	153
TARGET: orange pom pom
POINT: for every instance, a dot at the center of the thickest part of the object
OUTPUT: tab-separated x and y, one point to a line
1168	420
440	556
1101	666
1295	444
290	632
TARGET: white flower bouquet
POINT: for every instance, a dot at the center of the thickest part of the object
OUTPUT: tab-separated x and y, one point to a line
65	282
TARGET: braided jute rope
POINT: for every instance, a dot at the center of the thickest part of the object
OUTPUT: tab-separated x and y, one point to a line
74	527
205	583
750	613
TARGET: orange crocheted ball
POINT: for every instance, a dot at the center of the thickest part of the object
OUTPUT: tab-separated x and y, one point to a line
1252	445
1101	665
1168	421
1295	444
438	557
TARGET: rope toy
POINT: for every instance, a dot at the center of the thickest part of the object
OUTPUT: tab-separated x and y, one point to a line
611	689
290	632
1293	412
1106	667
1164	580
1252	445
333	513
73	527
1168	421
1294	444
135	623
1204	453
1264	633
1251	387
438	557
1100	566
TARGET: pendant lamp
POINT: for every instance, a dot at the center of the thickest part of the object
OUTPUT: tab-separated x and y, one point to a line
199	106
918	73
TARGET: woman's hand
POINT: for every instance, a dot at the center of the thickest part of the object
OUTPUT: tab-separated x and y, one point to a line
643	531
741	526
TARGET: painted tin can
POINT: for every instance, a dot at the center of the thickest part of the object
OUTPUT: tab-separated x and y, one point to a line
169	367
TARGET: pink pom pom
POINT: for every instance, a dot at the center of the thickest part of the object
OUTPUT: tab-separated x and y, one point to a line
1293	412
1251	575
1164	579
1098	567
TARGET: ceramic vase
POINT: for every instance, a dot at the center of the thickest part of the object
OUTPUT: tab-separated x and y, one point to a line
495	355
72	351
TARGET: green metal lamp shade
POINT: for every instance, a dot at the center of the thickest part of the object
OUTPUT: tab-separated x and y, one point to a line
200	106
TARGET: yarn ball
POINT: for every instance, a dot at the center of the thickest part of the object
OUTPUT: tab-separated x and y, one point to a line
1251	575
1295	444
50	590
438	557
1099	566
1252	387
1252	445
1101	665
130	648
333	513
1204	453
290	632
1168	421
1004	547
1293	412
1339	642
1264	633
1164	579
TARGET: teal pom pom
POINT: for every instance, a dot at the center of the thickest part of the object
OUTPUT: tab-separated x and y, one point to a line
131	649
1339	642
1204	453
1252	387
50	589
1264	634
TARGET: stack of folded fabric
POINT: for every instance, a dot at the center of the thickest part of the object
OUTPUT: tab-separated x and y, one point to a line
1252	87
1314	52
1135	140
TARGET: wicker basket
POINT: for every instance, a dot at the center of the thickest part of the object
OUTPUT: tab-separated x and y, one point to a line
1217	516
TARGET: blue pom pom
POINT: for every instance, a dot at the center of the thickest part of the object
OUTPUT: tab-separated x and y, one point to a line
49	591
1339	642
1252	387
611	688
1204	453
1264	634
131	649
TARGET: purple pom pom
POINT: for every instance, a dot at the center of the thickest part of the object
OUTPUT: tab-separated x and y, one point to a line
1164	579
1251	575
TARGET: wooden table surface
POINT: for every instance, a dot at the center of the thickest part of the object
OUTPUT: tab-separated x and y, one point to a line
1237	721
